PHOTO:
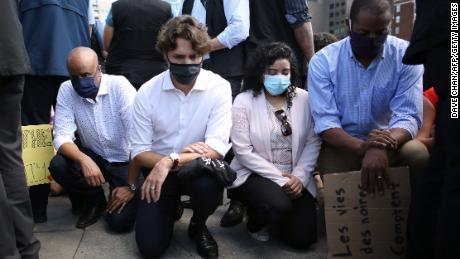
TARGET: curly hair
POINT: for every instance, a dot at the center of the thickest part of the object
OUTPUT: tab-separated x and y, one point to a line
185	27
262	58
322	39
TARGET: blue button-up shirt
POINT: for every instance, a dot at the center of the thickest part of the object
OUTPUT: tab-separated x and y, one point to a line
344	94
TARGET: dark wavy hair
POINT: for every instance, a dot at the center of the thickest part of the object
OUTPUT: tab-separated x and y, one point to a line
187	28
262	58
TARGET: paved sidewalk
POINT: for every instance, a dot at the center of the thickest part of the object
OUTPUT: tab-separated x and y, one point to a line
61	240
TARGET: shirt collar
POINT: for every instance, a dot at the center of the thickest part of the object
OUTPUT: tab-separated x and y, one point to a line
200	83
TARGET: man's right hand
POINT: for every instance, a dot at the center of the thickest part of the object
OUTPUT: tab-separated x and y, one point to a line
91	172
380	139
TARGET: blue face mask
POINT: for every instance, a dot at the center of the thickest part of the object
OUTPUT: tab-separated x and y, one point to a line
277	84
85	87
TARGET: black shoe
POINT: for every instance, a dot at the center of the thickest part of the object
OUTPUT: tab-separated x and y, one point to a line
234	215
206	245
77	204
40	216
91	214
179	211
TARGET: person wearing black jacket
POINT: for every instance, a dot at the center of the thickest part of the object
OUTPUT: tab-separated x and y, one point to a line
16	232
130	36
435	208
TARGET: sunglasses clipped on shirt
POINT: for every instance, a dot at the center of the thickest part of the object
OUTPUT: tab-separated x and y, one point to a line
286	129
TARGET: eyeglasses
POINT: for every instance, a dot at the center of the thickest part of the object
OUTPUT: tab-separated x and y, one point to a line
286	129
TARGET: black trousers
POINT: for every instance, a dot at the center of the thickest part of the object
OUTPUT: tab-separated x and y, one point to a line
40	94
155	221
434	215
16	225
268	204
69	174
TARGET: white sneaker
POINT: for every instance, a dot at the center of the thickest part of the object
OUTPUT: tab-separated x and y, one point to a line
261	235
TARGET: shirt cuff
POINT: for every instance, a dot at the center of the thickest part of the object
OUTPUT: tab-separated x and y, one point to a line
219	146
326	123
59	141
138	150
407	125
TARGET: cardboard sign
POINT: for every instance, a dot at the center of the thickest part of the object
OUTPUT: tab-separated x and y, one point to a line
37	152
359	226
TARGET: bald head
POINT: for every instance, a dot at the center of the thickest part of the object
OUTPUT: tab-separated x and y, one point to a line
82	61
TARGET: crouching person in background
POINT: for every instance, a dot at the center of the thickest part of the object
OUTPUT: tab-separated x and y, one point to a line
98	107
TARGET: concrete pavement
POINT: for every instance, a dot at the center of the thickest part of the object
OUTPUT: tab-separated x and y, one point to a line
61	240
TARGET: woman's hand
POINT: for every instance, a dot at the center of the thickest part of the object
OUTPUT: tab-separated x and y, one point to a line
293	187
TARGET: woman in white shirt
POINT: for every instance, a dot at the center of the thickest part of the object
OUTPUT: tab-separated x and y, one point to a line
275	149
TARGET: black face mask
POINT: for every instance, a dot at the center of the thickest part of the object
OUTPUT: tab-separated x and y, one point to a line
185	73
364	46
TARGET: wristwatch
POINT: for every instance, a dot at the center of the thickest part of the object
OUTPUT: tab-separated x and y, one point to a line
132	187
175	159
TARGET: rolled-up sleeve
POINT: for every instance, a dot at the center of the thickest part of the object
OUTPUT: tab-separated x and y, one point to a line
237	30
322	99
140	138
407	103
218	128
297	12
64	118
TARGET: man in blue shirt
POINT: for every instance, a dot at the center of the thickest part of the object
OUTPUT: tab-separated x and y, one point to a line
51	30
366	103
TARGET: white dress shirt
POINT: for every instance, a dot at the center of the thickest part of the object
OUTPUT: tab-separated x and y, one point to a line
237	15
102	125
165	120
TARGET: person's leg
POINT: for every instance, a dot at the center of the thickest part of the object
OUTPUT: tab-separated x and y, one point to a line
414	154
155	221
298	228
266	202
69	174
335	160
40	94
16	232
123	221
39	200
448	224
205	195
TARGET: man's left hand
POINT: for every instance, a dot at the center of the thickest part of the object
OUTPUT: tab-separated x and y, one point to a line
151	189
374	170
119	198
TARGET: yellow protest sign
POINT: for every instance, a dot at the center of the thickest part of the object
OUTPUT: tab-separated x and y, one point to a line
37	152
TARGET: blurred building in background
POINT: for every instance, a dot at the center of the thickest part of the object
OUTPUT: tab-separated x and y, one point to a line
329	16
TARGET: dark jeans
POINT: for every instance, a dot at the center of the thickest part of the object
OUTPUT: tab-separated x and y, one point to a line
434	214
268	204
16	225
155	221
40	94
69	174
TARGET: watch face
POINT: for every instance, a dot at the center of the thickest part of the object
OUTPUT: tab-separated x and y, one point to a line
132	187
174	156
